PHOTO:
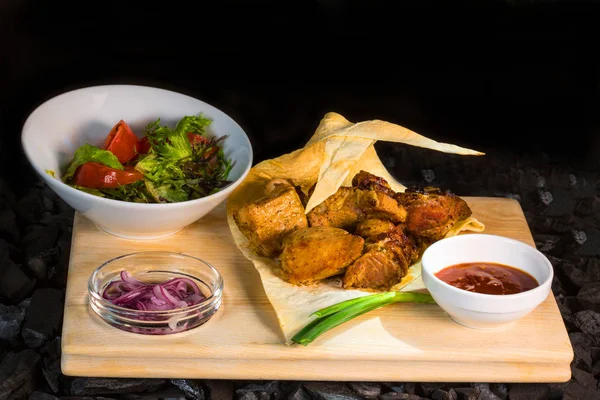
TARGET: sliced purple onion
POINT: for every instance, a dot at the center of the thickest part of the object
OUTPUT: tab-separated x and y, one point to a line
134	294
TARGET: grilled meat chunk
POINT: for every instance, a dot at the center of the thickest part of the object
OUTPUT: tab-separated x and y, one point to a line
367	181
382	206
268	220
384	262
312	254
432	212
349	205
343	209
275	182
370	229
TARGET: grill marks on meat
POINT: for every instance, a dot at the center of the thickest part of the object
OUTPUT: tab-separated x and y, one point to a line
432	212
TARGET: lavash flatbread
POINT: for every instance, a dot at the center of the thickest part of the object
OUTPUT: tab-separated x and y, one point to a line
334	154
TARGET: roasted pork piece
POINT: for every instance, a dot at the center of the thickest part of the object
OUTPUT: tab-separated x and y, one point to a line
367	181
370	229
349	205
385	261
313	254
432	212
267	221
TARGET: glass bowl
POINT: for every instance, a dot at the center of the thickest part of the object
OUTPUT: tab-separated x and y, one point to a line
157	266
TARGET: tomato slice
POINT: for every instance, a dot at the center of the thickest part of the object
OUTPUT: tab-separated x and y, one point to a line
195	139
98	176
143	145
122	142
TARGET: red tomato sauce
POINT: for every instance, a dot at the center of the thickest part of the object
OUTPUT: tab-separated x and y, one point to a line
487	278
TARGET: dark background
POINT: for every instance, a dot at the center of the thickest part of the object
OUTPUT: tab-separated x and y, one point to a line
516	75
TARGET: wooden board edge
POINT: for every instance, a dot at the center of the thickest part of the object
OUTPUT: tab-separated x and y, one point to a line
322	371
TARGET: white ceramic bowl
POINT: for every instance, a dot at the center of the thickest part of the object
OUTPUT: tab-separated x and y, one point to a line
484	311
59	126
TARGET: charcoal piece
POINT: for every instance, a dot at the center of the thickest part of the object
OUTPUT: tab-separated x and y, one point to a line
561	203
57	272
330	391
547	243
392	387
467	393
52	370
262	390
589	296
528	391
500	390
557	287
574	390
52	373
37	266
596	369
7	197
582	351
40	248
250	396
298	393
365	389
484	392
220	389
584	378
557	391
9	229
43	317
15	285
191	388
560	177
566	312
170	393
575	275
585	207
48	198
11	319
51	350
100	386
37	395
392	396
439	394
91	398
18	374
592	270
591	246
588	321
30	206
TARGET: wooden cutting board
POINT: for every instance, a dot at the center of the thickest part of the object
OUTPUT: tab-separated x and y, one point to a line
401	342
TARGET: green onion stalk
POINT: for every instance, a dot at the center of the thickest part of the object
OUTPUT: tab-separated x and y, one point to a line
332	316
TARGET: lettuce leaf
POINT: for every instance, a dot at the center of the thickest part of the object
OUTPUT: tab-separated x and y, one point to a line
89	153
173	144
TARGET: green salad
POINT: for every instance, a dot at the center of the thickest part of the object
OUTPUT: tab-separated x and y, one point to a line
167	165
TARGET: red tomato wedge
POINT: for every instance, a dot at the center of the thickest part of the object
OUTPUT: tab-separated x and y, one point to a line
98	176
143	145
195	139
122	142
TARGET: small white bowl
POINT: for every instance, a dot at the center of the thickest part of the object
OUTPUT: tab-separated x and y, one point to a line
484	311
59	126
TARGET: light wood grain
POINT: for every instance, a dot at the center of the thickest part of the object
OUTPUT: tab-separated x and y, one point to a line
414	342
